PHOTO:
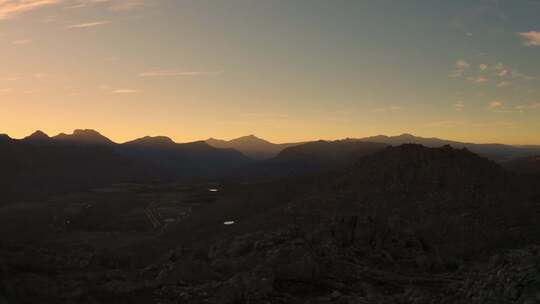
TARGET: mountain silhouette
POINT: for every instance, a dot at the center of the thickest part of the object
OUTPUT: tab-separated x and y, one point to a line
251	146
315	156
37	136
497	152
185	159
5	138
529	165
86	136
31	169
152	141
38	165
445	194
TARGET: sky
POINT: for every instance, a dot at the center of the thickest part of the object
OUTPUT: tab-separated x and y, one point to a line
285	70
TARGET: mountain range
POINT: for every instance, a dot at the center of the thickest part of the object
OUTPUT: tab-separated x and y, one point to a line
87	159
494	151
257	148
251	146
348	221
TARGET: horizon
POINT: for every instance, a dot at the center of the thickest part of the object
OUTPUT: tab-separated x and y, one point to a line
287	71
253	135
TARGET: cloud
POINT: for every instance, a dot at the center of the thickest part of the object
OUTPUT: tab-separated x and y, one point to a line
113	5
530	106
462	64
532	38
265	115
458	123
126	5
521	76
499	107
387	109
459	106
503	76
12	8
125	91
503	84
6	90
445	124
478	79
170	73
460	67
495	105
87	24
21	41
40	75
11	78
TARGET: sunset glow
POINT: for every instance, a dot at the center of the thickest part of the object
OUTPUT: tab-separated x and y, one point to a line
283	70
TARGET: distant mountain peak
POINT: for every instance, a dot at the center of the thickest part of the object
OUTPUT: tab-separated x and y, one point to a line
250	139
87	136
37	136
407	135
4	137
86	132
251	145
153	141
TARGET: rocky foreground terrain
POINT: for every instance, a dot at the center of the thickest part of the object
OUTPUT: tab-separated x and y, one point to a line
407	224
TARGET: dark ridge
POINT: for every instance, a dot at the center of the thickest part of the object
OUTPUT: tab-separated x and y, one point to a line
497	152
37	136
86	136
314	157
5	137
527	165
152	141
251	146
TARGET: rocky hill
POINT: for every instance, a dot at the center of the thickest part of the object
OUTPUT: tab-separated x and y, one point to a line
528	165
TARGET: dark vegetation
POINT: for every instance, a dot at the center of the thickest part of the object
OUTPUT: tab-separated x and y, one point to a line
324	222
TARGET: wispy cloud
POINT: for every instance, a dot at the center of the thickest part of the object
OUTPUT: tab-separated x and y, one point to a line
445	124
499	107
459	106
6	90
172	73
532	38
258	115
530	106
21	41
495	105
126	5
13	8
113	5
388	109
497	74
124	91
459	68
10	78
464	124
462	64
87	24
503	84
478	79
